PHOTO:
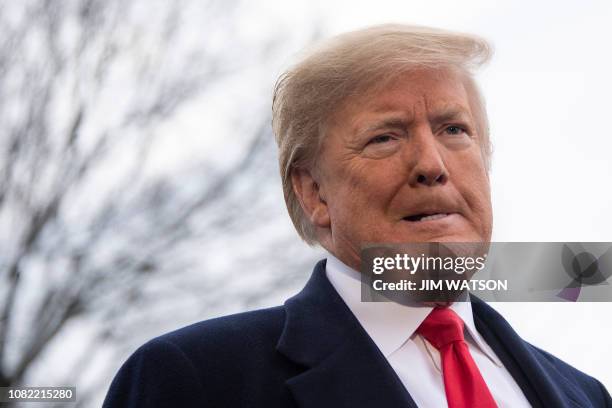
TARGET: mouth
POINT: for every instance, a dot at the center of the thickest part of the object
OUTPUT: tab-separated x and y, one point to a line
422	217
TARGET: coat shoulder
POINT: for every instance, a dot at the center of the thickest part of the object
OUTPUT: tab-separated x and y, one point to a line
594	389
229	333
228	344
197	360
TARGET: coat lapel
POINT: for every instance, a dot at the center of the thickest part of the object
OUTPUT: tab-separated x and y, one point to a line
344	368
540	381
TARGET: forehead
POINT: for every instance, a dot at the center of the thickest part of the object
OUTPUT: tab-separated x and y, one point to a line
411	93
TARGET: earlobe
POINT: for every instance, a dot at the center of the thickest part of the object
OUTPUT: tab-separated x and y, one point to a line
309	194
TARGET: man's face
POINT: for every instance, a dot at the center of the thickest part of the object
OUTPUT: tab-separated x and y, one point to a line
404	164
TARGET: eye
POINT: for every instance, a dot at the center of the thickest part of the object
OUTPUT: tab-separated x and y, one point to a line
381	146
454	130
381	139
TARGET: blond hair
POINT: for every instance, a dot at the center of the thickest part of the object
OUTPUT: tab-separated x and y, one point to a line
306	95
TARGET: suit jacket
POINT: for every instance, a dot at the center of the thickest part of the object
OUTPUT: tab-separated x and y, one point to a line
313	353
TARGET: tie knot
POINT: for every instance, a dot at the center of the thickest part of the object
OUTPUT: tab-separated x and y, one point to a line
442	327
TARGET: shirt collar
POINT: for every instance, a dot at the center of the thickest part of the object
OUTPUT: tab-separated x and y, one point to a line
391	324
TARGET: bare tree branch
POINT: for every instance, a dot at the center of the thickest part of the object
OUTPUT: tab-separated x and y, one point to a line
88	232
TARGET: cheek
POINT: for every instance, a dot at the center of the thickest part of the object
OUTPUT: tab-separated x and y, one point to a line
477	193
471	178
370	184
360	192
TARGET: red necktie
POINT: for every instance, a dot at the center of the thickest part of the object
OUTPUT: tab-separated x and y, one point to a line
463	383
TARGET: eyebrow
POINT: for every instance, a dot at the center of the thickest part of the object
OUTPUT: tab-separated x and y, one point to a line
441	115
450	113
387	123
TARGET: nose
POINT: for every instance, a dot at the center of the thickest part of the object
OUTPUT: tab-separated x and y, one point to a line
426	164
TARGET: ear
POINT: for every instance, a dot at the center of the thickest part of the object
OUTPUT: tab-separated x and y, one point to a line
309	193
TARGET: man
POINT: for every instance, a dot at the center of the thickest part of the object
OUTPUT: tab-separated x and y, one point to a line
382	138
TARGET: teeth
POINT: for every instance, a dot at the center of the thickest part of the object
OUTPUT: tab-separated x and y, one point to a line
433	217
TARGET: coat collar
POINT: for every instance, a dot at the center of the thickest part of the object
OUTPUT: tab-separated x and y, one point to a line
343	366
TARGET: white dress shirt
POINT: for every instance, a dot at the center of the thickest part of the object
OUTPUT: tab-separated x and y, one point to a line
416	362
